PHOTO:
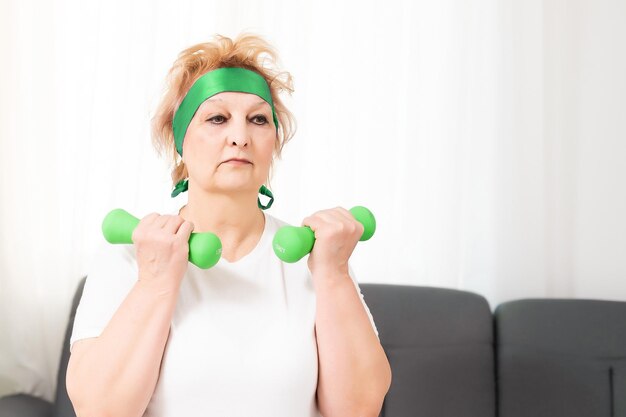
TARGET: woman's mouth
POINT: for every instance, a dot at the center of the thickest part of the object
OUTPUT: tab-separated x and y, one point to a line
237	162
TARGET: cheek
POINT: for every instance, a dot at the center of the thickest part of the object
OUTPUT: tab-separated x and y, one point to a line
268	152
270	144
201	158
200	142
201	147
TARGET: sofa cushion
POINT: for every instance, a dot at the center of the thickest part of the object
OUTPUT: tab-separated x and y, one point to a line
439	343
561	358
24	405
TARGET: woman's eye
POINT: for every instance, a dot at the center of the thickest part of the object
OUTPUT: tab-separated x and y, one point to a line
260	117
219	121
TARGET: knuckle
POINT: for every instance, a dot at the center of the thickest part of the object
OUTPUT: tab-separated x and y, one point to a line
150	215
137	234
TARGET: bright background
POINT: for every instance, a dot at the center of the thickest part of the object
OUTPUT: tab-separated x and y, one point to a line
488	137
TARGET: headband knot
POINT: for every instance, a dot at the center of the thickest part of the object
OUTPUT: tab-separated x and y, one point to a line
181	187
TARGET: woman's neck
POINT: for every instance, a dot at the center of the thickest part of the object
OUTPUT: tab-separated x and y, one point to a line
235	218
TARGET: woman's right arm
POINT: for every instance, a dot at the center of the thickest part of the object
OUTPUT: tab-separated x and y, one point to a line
116	373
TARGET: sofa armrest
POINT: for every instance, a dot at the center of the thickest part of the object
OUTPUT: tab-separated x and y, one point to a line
24	405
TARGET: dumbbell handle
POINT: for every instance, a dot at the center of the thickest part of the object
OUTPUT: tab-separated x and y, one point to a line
292	243
205	249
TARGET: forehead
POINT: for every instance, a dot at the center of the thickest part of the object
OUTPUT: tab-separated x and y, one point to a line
234	98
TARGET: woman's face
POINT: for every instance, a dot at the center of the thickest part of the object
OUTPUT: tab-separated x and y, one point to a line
230	125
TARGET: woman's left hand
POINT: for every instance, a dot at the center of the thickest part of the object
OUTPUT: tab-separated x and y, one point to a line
336	234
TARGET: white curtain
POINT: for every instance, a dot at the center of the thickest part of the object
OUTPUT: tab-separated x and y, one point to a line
487	137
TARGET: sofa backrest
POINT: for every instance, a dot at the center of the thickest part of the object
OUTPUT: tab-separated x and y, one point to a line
561	357
555	358
439	343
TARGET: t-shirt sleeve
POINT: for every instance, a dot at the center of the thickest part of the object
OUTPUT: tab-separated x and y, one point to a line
111	274
358	289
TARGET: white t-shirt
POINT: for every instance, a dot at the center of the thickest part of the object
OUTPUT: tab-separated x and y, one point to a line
242	336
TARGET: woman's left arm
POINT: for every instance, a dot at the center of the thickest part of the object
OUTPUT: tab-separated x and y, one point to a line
354	373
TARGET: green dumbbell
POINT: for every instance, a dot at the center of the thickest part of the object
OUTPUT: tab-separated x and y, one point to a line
292	243
205	249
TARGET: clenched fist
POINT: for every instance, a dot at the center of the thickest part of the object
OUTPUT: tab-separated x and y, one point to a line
162	250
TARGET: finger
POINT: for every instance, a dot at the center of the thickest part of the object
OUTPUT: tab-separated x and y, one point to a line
343	221
161	221
345	213
334	216
185	229
342	215
148	219
313	221
348	215
337	220
322	220
325	216
173	223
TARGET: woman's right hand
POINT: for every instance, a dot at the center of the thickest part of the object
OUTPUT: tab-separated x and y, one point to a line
162	250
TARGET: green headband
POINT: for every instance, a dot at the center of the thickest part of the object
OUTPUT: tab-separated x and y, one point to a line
214	82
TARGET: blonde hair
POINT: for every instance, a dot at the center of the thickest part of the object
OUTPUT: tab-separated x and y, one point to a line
245	51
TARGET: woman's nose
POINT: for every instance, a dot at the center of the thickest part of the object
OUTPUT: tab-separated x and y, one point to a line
239	142
238	133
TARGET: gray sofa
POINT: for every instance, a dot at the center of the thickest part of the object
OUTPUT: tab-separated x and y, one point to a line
451	357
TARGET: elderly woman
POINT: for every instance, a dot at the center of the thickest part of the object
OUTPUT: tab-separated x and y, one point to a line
155	335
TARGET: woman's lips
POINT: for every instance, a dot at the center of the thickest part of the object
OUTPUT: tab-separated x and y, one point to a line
235	162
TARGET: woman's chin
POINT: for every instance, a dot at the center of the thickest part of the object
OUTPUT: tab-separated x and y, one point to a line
233	183
236	186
